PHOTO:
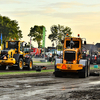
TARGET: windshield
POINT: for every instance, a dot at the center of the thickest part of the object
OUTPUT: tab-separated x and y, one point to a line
76	44
12	45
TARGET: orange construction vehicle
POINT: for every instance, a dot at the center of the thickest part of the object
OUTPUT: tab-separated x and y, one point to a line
73	59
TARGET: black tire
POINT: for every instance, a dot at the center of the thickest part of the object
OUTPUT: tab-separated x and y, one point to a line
91	62
20	64
83	74
57	72
30	64
88	69
11	68
98	60
88	72
3	67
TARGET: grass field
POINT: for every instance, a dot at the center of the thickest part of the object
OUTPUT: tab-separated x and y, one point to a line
30	72
95	68
25	72
48	63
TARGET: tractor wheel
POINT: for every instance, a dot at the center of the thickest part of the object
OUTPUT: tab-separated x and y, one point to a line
98	60
3	67
30	65
88	70
12	67
57	72
20	64
91	62
84	73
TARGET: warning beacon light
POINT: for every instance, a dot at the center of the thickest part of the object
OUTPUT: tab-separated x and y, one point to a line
78	35
67	34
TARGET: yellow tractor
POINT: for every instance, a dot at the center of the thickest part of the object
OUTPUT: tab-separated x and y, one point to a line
15	56
73	59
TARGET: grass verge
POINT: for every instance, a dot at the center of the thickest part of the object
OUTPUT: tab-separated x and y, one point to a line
48	63
30	72
24	72
94	68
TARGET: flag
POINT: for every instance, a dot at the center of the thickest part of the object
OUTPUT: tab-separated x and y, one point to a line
43	42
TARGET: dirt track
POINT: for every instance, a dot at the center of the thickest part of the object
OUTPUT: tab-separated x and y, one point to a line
44	86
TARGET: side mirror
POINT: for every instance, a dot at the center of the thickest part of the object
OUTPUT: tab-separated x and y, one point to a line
84	42
62	41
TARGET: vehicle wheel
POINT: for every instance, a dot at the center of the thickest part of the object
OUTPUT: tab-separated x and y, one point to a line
56	69
12	67
84	73
30	65
98	60
91	62
20	64
57	72
88	68
88	72
3	67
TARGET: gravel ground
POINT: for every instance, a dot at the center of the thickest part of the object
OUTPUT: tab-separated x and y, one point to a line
44	86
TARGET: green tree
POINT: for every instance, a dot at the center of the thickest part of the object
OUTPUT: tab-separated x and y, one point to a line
53	35
66	30
9	28
36	33
58	33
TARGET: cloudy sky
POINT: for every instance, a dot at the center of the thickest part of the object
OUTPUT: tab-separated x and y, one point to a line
82	16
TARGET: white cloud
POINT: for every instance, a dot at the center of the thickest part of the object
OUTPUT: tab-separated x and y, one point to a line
9	1
64	5
76	16
93	5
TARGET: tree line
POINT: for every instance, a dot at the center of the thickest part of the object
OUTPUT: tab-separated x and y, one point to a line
58	33
10	29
